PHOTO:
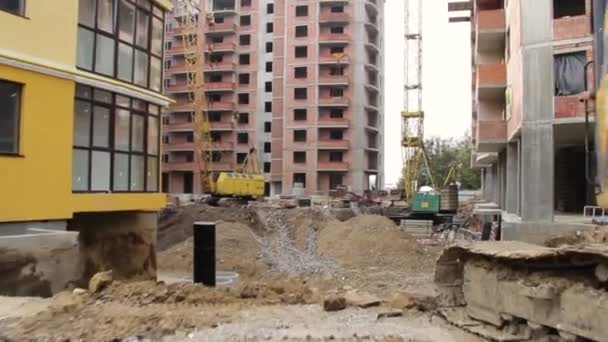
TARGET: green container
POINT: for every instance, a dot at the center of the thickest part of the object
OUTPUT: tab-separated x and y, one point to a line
427	202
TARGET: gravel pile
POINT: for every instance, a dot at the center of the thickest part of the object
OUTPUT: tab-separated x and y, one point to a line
280	251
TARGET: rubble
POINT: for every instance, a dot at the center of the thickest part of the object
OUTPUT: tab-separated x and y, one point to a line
100	280
334	303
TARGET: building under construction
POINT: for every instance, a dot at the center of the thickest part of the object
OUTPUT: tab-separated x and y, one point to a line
530	76
300	82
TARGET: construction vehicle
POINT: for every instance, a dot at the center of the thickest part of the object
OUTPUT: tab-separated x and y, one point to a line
247	181
515	291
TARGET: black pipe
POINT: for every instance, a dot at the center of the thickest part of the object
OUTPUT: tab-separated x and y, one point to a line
204	253
588	168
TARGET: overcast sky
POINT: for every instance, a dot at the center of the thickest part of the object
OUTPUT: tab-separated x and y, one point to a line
446	78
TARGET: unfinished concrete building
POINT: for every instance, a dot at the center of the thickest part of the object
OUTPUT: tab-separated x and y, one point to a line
528	122
300	81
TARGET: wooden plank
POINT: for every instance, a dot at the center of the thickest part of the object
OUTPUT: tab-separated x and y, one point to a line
459	19
459	6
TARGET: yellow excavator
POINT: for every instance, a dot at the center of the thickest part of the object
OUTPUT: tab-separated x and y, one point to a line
246	182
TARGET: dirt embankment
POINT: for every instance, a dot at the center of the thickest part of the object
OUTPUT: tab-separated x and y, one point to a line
581	237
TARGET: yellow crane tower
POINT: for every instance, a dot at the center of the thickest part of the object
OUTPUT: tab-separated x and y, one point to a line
192	19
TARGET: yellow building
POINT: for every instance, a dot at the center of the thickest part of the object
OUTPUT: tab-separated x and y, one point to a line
80	105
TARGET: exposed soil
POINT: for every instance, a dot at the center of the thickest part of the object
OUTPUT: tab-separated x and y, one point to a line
292	258
597	235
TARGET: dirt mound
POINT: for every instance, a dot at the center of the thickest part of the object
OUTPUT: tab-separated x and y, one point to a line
175	224
372	240
581	237
237	250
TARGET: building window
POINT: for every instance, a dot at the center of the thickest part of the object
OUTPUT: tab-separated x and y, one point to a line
299	178
216	156
116	143
299	135
301	11
337	29
270	8
336	92
301	31
336	50
245	20
336	134
244	59
335	156
268	87
16	7
245	39
243	118
268	66
267	126
300	94
269	28
243	98
300	72
299	157
242	138
337	9
243	78
267	148
267	167
299	114
336	113
123	41
245	3
336	70
269	47
215	78
268	107
240	158
215	116
301	51
10	108
569	73
215	136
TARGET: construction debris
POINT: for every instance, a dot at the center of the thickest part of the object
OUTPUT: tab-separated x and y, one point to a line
334	303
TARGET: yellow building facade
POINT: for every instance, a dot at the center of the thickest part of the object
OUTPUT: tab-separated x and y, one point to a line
47	51
80	115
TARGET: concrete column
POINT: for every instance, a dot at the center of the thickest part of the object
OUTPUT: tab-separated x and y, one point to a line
512	188
537	155
495	183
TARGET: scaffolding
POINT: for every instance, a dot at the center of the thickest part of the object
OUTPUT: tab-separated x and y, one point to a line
412	117
192	18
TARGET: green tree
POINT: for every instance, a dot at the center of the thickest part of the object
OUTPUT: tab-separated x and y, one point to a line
443	155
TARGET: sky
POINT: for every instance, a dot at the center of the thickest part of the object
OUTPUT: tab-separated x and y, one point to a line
446	78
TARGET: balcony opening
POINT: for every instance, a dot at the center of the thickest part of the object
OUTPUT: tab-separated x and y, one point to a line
223	5
337	29
243	98
216	58
189	157
214	98
336	113
217	39
215	136
569	73
189	137
299	178
336	156
336	50
215	117
337	9
336	70
335	180
299	114
570	8
215	78
336	134
336	92
216	156
218	20
299	157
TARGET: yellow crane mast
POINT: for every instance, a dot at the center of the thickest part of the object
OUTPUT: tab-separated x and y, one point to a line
192	19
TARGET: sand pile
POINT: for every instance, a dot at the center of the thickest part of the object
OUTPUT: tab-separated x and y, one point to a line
237	251
373	240
581	237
